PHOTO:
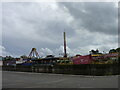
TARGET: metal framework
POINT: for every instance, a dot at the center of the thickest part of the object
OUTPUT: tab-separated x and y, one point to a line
33	53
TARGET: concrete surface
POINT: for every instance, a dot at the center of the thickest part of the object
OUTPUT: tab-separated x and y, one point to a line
44	80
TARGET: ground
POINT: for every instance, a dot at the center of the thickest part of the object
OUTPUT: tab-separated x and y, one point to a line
44	80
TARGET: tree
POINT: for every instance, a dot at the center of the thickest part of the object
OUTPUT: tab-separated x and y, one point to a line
112	51
94	52
118	49
23	56
9	58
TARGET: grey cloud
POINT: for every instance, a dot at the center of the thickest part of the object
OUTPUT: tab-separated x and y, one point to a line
94	16
24	29
41	25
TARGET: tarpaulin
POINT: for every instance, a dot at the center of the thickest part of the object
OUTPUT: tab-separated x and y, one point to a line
82	59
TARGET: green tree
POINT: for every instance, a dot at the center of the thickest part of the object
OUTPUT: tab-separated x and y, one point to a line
94	51
112	51
118	49
8	58
23	56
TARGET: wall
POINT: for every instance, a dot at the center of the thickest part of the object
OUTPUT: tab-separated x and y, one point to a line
83	69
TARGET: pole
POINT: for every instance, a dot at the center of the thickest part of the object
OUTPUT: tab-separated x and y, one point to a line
65	54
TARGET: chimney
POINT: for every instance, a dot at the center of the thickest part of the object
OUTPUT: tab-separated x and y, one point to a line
65	54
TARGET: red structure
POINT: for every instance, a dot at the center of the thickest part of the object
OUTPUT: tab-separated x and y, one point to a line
82	59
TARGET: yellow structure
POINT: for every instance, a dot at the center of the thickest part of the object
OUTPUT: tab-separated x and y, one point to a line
96	55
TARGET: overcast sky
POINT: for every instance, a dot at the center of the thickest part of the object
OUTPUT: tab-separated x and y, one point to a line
89	25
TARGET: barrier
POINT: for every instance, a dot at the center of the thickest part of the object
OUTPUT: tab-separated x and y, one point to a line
82	69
